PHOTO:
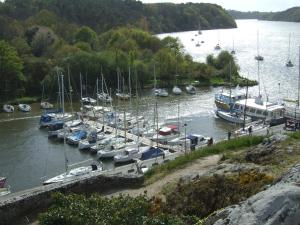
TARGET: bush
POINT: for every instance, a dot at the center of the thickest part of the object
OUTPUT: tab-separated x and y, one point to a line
79	210
209	194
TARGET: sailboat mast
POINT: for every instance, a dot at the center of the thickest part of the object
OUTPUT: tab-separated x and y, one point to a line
230	81
129	83
244	119
298	82
80	77
70	89
59	88
289	47
137	108
258	75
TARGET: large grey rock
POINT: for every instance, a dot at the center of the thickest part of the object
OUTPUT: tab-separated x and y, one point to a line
278	205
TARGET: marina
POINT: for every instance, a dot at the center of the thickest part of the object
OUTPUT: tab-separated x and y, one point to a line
28	157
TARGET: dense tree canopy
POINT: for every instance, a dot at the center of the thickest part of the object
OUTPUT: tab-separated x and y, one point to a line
46	34
11	66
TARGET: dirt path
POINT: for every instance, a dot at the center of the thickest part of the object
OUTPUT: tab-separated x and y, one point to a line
200	166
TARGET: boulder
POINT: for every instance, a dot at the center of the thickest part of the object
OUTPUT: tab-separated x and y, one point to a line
278	205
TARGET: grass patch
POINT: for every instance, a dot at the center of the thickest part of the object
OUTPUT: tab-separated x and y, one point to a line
221	147
294	135
23	100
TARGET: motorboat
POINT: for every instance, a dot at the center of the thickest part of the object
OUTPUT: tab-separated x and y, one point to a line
8	108
123	96
256	127
190	89
74	174
150	153
226	99
176	90
233	117
165	134
88	101
191	141
24	107
217	47
104	97
161	93
75	137
46	105
130	154
116	148
257	109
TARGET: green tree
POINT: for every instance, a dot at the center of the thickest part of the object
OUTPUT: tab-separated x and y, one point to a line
10	71
86	34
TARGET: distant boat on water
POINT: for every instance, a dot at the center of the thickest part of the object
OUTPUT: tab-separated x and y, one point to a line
289	62
258	57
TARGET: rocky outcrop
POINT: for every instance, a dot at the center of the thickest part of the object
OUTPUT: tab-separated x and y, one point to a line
262	151
277	205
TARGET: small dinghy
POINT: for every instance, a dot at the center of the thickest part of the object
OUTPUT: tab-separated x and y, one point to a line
176	90
46	105
8	108
24	107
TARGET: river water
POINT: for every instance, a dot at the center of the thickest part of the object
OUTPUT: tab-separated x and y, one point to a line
27	156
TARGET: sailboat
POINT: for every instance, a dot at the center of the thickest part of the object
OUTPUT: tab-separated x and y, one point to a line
86	100
161	92
289	62
198	44
258	56
218	47
104	96
199	30
75	173
232	51
45	104
292	114
120	93
176	90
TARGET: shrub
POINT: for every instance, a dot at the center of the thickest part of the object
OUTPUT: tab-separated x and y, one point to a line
209	194
79	210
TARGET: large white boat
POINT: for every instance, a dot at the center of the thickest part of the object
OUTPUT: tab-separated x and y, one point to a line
74	174
226	99
256	108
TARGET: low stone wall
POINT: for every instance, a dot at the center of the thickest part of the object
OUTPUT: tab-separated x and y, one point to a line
16	207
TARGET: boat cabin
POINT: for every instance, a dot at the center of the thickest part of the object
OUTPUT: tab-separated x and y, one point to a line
256	108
